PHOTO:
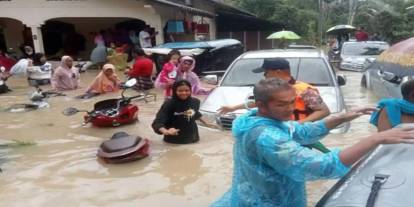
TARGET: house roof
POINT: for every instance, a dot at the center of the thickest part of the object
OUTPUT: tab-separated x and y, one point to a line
220	7
226	16
186	8
229	8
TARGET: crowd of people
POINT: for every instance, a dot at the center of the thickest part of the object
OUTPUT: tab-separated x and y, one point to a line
360	35
176	118
286	118
272	160
117	47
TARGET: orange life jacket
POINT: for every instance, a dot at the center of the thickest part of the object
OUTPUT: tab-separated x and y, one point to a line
301	110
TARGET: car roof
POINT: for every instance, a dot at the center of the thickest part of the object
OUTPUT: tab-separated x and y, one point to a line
367	42
301	47
284	53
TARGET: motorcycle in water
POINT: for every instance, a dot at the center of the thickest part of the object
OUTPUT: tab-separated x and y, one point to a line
82	65
38	100
122	148
113	112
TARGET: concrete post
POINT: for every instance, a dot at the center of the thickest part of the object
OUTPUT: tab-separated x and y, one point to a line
37	38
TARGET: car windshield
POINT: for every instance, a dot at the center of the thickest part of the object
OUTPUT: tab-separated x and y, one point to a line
363	48
310	70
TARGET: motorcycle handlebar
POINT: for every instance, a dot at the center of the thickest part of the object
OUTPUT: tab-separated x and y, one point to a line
128	99
134	97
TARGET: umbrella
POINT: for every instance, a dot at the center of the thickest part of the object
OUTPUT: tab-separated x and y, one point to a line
284	35
398	59
342	28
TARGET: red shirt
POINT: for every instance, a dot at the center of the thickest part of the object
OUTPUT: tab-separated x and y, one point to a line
6	62
361	36
142	68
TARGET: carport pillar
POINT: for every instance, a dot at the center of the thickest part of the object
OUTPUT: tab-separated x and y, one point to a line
37	38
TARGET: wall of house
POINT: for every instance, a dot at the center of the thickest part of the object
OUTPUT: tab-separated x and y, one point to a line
202	4
168	14
252	40
85	26
35	13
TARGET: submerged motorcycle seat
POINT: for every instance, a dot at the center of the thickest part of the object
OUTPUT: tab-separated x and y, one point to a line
120	146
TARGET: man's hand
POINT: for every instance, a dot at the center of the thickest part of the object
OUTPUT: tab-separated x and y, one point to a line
225	109
354	153
353	114
395	136
334	121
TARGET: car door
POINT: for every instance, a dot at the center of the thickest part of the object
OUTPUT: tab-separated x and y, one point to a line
376	82
392	84
386	84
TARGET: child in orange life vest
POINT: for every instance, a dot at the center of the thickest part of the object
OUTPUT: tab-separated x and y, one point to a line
167	76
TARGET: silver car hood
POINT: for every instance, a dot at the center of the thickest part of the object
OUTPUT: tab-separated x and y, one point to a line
227	95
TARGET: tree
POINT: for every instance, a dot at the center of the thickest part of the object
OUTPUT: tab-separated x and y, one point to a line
387	17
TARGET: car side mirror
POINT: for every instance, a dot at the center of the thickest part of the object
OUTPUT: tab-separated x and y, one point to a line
341	80
211	79
390	77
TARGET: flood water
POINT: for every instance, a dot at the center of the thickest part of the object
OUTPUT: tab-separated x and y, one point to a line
61	168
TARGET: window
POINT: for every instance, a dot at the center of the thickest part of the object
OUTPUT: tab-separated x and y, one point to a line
315	72
241	73
362	48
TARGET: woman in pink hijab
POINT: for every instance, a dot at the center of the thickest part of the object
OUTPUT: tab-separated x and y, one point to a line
106	81
65	76
185	72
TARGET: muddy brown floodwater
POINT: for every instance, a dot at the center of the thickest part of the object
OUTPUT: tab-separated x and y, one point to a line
61	169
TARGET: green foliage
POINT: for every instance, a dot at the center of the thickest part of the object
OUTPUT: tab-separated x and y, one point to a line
387	17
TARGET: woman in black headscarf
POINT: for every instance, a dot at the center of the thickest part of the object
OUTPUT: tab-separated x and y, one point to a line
176	119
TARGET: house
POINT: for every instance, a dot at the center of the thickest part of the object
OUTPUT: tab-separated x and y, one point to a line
68	26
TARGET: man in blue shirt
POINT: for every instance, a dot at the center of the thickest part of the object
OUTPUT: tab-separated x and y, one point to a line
270	163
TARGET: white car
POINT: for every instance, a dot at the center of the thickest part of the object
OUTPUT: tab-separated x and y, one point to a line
307	65
354	54
382	83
